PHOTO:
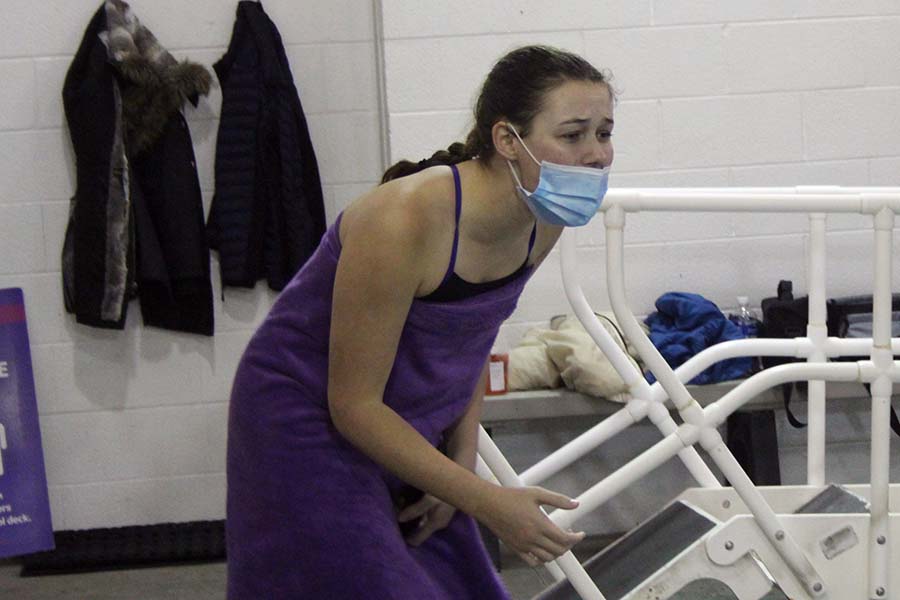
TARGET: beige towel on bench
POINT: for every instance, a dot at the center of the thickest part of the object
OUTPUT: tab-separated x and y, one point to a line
567	354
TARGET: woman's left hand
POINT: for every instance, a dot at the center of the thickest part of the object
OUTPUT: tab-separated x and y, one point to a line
432	514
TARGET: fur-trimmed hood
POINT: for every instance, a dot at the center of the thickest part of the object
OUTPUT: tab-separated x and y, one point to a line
154	84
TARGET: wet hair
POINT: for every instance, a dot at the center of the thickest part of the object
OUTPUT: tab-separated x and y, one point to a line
514	90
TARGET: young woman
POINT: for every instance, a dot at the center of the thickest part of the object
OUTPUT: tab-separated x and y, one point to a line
374	356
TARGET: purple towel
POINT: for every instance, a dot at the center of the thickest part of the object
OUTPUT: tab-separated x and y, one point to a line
310	516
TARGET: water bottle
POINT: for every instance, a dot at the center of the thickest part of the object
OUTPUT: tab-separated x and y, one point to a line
748	325
745	319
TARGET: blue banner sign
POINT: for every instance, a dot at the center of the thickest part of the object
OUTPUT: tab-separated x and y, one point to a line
25	524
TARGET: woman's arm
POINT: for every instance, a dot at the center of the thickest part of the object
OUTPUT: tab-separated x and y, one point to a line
431	513
462	443
378	274
377	277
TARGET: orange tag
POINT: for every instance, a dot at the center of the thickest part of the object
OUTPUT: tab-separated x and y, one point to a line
498	374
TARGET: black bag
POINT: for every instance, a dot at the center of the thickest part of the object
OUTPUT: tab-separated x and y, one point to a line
783	317
851	316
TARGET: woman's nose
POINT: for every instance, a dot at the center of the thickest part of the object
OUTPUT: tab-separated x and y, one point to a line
601	154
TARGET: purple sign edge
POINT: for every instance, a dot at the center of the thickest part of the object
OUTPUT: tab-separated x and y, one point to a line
38	535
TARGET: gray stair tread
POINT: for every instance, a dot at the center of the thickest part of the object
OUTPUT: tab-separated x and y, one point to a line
713	589
834	500
639	554
708	589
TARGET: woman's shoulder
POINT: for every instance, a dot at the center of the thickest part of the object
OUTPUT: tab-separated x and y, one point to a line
412	209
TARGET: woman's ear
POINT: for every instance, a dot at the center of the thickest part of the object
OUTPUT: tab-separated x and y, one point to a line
504	141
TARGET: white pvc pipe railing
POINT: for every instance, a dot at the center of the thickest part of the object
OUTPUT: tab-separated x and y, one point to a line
883	360
637	408
700	424
697	428
714	415
567	565
820	200
641	392
817	332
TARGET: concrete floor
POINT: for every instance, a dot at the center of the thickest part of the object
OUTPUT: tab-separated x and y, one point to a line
193	582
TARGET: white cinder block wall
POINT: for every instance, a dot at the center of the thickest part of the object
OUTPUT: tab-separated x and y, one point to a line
133	422
711	94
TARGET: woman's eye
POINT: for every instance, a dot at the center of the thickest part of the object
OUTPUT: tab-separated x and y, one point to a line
605	135
573	136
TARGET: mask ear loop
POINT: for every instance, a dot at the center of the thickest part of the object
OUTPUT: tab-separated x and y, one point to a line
521	141
509	162
515	176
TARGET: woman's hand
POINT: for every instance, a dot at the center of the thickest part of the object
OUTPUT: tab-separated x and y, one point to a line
433	515
515	516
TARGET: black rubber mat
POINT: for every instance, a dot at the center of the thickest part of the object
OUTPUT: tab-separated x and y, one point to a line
84	550
643	551
834	500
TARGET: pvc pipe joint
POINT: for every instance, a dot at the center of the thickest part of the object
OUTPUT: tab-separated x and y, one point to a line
710	438
638	408
688	434
657	412
883	360
884	218
818	334
614	218
693	414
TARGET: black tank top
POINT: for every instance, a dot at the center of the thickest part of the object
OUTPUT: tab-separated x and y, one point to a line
453	287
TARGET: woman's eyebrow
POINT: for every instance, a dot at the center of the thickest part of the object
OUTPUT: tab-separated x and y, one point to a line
576	121
584	121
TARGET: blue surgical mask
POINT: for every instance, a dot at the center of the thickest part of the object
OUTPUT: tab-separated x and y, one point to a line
565	195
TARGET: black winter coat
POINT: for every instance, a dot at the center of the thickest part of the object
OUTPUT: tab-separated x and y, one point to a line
136	220
267	215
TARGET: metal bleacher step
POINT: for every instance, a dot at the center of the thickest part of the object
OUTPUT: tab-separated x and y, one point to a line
834	500
621	566
713	589
632	560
